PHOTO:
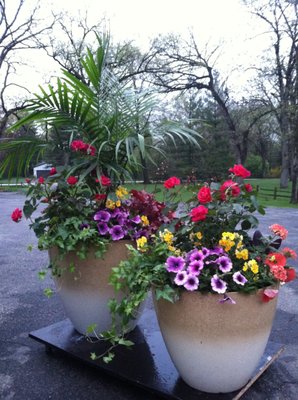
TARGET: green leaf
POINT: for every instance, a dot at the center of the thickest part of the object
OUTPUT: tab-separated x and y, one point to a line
48	292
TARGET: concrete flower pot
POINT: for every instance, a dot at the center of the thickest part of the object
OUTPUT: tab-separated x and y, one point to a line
216	347
86	291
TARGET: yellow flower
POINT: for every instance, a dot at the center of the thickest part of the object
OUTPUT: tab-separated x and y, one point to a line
172	248
145	220
166	236
252	265
228	235
242	254
141	242
110	204
199	235
118	203
121	192
226	244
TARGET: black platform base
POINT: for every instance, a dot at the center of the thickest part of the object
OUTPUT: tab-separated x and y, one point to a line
147	364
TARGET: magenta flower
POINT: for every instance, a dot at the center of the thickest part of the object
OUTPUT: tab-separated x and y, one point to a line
239	278
195	267
224	263
175	264
192	282
136	219
218	285
117	232
181	278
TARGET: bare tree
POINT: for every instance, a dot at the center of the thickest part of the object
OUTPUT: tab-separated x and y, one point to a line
179	66
17	33
279	77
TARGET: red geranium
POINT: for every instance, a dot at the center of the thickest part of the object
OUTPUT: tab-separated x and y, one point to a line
72	180
239	170
53	171
199	213
105	181
291	274
172	182
204	195
248	187
274	259
16	215
78	145
41	179
99	197
229	186
91	150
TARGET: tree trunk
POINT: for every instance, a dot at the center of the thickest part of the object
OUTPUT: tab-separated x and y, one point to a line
294	194
145	171
284	176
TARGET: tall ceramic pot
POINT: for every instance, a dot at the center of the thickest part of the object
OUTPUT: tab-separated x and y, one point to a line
215	346
85	290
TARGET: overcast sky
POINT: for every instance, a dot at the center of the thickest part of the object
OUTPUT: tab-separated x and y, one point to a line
212	21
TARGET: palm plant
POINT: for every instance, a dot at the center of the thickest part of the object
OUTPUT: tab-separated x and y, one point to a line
108	115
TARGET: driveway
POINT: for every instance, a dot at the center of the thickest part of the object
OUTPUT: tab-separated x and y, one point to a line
28	372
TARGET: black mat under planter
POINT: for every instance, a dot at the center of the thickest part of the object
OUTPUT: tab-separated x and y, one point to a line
147	364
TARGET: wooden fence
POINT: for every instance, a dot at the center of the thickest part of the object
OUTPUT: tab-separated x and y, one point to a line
274	193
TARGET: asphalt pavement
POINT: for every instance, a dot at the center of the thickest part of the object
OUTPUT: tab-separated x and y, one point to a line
27	372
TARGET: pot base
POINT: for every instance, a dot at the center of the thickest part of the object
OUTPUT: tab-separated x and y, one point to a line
149	364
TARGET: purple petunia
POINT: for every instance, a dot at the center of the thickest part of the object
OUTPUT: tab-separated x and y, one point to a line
218	251
192	282
196	255
218	285
102	216
239	278
175	264
102	227
227	299
224	263
195	267
136	219
117	232
205	252
181	278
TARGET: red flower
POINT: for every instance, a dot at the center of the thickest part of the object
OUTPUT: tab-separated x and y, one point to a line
53	171
204	195
28	180
199	213
239	170
41	179
289	253
91	150
105	181
274	259
99	197
172	182
291	274
44	200
279	272
248	187
229	186
269	294
16	215
72	180
78	145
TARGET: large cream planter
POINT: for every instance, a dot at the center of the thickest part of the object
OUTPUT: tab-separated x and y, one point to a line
86	291
216	347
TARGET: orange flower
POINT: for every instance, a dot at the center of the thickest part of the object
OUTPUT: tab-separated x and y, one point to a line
279	230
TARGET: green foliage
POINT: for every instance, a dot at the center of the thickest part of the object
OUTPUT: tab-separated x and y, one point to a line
255	164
